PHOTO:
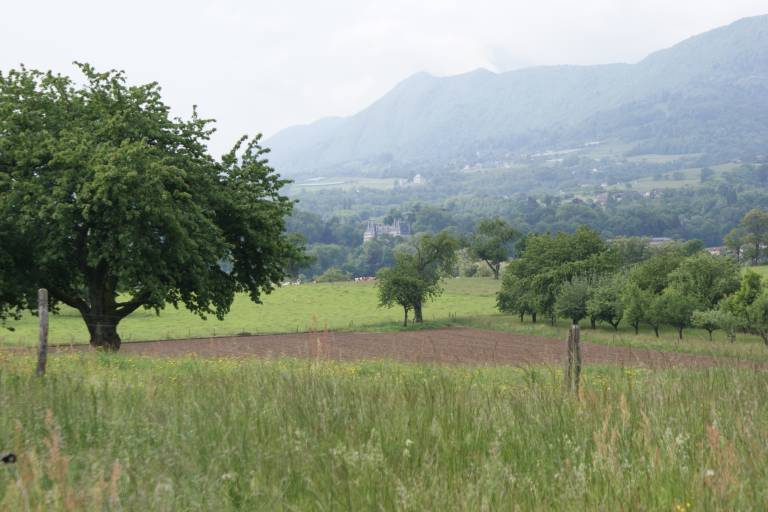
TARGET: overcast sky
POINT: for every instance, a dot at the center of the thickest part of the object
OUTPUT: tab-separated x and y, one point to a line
260	66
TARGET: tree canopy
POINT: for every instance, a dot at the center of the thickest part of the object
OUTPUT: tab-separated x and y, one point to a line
491	243
113	205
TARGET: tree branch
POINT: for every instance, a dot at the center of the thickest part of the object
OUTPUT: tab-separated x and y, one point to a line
70	300
124	309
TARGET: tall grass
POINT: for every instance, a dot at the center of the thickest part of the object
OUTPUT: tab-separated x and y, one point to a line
110	432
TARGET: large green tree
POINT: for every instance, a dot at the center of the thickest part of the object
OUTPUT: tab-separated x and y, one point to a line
547	261
755	226
491	243
113	205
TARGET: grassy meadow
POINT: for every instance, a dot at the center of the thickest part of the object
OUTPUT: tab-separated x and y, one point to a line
110	432
469	302
287	309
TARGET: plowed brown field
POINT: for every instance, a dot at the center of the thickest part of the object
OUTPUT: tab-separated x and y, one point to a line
453	345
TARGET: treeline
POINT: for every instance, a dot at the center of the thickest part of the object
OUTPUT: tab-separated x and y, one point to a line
708	214
580	276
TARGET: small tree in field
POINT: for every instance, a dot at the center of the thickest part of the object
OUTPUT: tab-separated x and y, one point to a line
635	304
605	304
654	313
402	285
676	309
113	205
750	305
706	278
729	322
516	297
415	277
708	320
491	243
572	300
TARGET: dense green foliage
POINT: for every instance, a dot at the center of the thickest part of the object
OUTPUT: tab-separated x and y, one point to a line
578	276
491	243
106	433
112	205
545	263
707	213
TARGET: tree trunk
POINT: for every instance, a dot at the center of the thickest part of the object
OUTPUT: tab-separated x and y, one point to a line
636	325
103	331
592	322
522	317
656	330
533	317
679	333
417	313
495	268
405	317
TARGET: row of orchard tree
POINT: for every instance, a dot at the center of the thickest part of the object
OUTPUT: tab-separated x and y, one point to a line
579	276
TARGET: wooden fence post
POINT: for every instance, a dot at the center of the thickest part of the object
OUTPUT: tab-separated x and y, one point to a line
569	360
573	363
42	313
577	349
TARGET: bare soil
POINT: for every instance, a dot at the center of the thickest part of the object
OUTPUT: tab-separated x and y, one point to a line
450	345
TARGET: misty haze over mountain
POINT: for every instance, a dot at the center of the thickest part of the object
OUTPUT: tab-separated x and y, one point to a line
707	94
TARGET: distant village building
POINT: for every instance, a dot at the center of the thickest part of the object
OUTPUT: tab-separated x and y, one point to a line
717	251
419	180
375	229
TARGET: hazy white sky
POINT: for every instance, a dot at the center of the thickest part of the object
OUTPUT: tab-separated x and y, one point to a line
264	65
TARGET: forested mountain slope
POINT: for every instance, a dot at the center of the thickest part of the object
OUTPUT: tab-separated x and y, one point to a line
708	94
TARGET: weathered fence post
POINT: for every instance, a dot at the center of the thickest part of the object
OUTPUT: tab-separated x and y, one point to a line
573	364
42	313
569	360
577	351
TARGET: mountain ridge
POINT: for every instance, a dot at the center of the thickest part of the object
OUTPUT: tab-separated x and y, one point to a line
665	101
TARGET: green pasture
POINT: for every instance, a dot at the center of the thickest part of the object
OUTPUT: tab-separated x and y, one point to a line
345	183
288	309
760	269
353	306
111	432
691	178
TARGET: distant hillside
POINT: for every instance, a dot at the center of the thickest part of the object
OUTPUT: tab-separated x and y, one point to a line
708	94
